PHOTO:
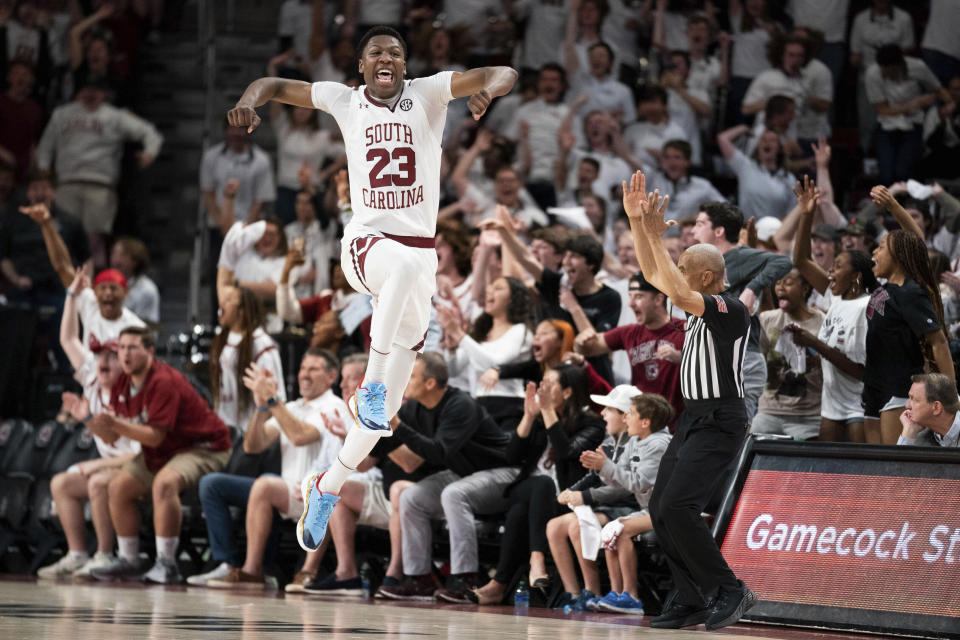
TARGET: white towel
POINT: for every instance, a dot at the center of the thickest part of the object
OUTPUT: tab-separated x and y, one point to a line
589	531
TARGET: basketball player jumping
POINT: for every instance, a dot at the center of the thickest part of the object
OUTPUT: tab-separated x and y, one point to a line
393	130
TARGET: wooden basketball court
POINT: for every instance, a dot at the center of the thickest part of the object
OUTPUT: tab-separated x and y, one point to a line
31	610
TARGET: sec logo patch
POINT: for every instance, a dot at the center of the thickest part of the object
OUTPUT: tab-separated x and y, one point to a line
406	104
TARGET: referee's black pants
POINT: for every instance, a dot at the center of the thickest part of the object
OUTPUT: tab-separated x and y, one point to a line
708	437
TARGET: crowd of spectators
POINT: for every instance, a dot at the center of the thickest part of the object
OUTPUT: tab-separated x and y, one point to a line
70	139
550	376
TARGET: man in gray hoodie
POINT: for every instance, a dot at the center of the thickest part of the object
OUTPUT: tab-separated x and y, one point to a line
749	272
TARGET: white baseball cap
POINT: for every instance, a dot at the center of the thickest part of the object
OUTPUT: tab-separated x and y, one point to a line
618	398
767	226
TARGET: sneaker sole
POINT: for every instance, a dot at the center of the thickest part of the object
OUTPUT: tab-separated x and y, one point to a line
690	621
237	586
294	588
745	605
357	593
132	577
609	609
390	596
450	600
372	427
305	492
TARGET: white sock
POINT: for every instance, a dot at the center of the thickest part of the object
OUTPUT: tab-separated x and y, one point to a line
167	547
79	555
399	367
128	548
356	447
376	366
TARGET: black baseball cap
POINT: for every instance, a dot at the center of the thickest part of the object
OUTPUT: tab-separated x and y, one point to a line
826	232
637	281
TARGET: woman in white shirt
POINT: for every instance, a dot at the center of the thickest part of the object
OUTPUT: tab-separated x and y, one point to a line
764	186
320	237
500	335
241	341
842	340
252	257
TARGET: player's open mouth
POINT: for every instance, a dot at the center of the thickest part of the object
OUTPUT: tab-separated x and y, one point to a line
384	78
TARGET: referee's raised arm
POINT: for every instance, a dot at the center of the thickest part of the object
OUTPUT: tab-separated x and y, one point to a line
700	268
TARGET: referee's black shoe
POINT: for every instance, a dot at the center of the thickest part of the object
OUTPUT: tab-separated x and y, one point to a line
677	616
730	605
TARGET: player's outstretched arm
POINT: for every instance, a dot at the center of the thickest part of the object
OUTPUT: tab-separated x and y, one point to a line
295	92
482	84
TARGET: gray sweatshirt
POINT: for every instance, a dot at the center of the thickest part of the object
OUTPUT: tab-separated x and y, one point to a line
87	146
749	268
637	469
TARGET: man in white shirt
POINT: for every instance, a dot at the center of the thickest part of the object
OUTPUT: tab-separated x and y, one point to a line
647	136
545	24
535	125
603	91
686	192
237	160
601	130
307	444
506	191
687	103
794	77
830	18
932	416
901	88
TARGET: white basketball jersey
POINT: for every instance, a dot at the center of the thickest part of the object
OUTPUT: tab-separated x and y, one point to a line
393	155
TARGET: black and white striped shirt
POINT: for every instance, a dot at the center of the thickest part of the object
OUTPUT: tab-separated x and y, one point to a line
712	364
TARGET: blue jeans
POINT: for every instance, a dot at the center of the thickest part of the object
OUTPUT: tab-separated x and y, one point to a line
834	55
754	379
219	492
898	153
285	206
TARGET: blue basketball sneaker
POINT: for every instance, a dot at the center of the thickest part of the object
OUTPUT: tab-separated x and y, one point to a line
317	507
621	603
593	604
370	407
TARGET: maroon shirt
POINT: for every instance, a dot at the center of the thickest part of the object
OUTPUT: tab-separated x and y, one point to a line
649	373
166	401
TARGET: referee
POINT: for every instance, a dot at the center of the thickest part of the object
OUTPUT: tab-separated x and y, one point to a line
712	427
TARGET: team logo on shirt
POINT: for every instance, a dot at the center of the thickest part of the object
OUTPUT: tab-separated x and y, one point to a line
721	304
652	369
878	302
406	104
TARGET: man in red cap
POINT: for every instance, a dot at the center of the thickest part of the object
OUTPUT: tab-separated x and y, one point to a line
101	309
96	369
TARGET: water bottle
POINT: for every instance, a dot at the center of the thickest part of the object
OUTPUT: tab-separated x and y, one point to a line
365	581
521	599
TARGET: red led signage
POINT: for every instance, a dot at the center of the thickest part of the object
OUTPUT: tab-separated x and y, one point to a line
882	543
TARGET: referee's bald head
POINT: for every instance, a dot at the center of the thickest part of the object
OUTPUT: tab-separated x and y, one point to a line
703	268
